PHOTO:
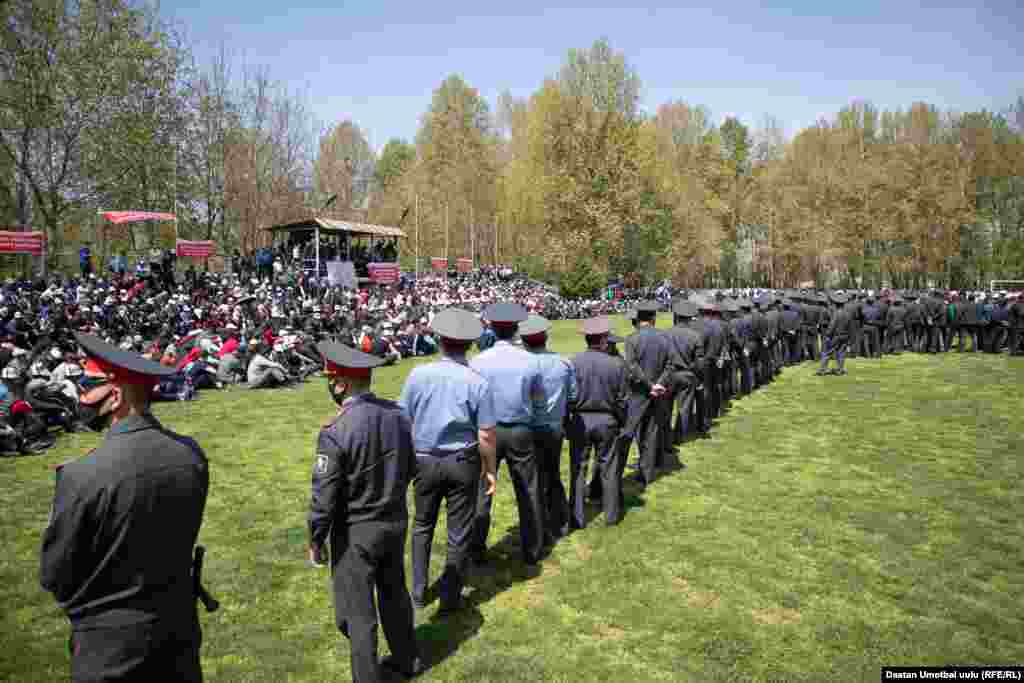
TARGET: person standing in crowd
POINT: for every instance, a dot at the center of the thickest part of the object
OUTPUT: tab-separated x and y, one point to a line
519	399
838	337
713	336
647	361
364	464
454	435
895	323
601	409
117	551
687	365
548	430
914	322
85	260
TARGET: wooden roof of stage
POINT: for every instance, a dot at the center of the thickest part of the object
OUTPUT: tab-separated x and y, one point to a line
331	226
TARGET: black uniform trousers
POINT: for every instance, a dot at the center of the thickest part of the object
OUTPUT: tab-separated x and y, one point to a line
137	652
515	446
370	562
791	343
895	340
644	424
598	433
686	390
455	479
547	443
871	346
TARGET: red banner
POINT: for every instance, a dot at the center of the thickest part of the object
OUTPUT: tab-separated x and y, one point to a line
439	263
383	273
15	242
196	248
465	265
137	216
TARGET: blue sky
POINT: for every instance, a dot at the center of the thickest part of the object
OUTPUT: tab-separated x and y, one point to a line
378	62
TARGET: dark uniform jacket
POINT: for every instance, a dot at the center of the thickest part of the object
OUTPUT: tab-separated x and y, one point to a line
915	314
118	548
841	326
647	359
364	463
713	336
896	318
934	312
687	351
602	384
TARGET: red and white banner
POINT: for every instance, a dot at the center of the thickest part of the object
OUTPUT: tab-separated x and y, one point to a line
465	265
196	248
16	242
383	273
137	216
439	263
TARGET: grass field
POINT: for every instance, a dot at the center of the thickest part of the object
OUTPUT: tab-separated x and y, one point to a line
831	526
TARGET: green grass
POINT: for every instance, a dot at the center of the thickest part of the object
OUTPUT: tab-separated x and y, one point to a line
831	526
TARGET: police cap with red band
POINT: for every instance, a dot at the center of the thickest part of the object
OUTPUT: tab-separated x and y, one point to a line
118	365
344	361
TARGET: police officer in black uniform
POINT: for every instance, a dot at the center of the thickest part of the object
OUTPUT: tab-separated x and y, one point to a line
602	389
117	552
688	364
649	367
364	464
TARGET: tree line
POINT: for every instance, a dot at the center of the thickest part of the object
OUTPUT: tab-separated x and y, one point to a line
104	106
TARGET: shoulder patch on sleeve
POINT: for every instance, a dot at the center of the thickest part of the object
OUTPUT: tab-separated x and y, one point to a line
322	462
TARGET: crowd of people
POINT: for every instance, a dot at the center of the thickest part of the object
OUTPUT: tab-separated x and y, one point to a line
95	354
253	329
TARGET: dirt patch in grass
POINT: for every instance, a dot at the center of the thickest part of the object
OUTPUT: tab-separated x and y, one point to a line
776	616
610	632
697	599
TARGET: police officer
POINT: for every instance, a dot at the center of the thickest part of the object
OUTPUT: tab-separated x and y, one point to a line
117	551
688	364
647	361
789	328
839	335
364	463
517	385
601	409
548	426
896	333
713	336
871	344
452	413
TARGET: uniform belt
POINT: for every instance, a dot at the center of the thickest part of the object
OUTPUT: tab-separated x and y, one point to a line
461	453
511	425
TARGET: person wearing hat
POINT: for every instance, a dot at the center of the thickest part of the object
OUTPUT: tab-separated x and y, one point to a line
602	390
687	367
789	329
715	354
744	347
838	336
1015	316
117	550
517	384
549	425
914	322
648	362
454	434
364	464
871	342
895	326
935	322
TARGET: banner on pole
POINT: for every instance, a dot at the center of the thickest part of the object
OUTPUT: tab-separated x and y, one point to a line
465	265
118	217
439	263
16	242
196	248
383	273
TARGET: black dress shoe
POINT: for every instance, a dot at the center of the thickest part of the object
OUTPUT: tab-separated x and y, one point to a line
415	669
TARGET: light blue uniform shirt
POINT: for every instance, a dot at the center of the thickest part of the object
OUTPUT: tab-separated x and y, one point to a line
447	402
516	382
559	388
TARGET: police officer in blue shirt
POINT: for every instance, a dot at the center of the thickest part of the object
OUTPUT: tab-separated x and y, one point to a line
548	431
453	423
517	385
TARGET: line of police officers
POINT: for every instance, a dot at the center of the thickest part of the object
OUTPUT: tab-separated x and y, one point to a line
130	601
